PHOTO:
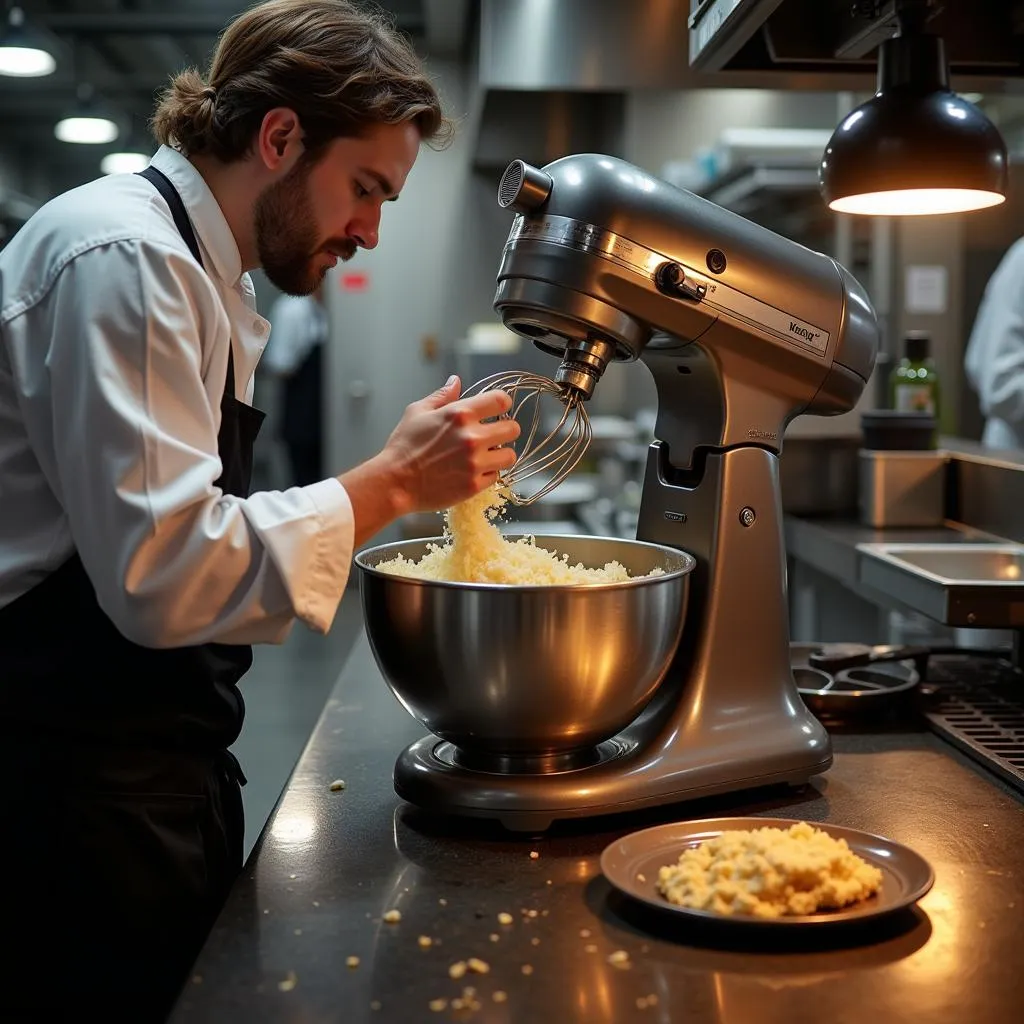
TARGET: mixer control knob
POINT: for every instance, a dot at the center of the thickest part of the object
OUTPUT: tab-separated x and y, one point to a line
672	280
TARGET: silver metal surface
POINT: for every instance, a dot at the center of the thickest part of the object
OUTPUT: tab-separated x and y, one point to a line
527	671
583	44
523	188
551	453
564	231
779	331
767	330
979	564
900	488
818	475
868	692
976	585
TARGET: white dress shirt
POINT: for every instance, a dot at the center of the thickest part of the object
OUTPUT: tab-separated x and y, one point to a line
995	353
299	324
113	356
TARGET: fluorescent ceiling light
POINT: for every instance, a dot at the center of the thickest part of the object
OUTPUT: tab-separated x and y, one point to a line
25	62
20	57
86	130
124	163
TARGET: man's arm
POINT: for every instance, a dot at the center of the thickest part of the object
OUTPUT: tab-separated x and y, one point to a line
125	429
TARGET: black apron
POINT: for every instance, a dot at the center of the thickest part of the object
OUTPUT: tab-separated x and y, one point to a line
123	822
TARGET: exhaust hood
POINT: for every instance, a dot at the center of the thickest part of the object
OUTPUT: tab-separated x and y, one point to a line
833	37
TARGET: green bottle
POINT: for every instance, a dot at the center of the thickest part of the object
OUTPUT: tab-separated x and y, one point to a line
913	382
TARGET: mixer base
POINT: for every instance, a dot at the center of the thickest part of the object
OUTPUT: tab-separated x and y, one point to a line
429	775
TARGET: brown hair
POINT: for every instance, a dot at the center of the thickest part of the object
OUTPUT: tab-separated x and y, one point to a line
340	67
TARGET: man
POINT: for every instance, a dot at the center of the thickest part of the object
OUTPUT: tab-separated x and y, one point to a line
134	569
295	357
995	353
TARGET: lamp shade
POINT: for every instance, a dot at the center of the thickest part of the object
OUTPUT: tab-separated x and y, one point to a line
915	147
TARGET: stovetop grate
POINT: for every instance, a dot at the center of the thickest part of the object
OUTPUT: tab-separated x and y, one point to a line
978	705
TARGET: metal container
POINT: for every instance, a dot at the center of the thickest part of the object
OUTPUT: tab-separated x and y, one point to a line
818	475
902	488
537	670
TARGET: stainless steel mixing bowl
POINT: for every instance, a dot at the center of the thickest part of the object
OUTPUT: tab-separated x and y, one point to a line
536	670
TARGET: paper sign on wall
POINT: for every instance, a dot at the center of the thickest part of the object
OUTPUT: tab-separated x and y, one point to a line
926	289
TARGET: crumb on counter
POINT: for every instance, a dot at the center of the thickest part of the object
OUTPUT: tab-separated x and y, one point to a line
393	916
352	961
288	982
337	785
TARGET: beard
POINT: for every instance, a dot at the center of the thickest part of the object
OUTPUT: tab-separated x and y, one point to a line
286	234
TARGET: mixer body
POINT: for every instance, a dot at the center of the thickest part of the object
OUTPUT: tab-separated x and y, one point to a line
742	330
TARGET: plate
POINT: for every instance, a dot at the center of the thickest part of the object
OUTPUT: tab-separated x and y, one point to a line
631	865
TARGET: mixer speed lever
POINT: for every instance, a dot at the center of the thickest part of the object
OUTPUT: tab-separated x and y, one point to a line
672	280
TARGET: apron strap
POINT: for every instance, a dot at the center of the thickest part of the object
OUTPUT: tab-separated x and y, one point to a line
163	185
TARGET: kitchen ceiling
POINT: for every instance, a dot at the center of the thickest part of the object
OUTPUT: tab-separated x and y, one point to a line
126	50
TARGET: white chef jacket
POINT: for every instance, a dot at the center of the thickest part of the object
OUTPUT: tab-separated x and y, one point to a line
299	324
113	356
994	361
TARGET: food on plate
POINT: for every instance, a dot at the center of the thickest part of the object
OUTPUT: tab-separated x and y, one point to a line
769	872
477	552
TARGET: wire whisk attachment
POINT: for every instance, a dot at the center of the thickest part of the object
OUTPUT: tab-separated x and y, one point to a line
549	443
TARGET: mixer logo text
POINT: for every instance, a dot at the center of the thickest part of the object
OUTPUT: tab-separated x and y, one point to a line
803	332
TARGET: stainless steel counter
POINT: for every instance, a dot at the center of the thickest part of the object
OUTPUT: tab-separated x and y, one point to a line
332	863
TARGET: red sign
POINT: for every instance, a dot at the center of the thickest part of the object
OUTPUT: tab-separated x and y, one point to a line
355	281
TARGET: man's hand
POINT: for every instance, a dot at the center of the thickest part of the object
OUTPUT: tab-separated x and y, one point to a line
442	450
441	453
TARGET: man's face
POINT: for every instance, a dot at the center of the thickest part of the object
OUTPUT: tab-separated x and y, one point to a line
324	210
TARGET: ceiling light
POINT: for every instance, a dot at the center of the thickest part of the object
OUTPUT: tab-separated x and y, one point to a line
21	55
88	123
916	147
86	130
124	163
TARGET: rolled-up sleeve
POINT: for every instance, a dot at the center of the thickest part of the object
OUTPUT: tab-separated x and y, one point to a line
127	437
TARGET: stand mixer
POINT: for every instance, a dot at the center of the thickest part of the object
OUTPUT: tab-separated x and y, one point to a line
742	330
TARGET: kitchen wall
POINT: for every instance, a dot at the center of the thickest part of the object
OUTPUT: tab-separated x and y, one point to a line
675	125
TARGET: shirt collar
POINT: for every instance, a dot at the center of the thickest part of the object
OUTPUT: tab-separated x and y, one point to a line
204	211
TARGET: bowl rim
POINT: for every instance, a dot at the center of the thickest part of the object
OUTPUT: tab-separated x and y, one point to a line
689	560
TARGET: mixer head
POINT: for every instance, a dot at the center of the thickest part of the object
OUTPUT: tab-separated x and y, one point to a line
548	447
605	262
